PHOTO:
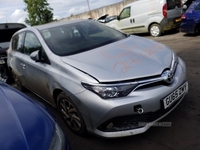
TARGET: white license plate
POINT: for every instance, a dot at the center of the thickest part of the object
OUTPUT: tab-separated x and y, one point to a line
170	99
2	62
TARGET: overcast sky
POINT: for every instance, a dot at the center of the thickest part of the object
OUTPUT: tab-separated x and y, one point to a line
13	10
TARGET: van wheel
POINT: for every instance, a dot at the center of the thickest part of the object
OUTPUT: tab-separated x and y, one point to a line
155	30
70	114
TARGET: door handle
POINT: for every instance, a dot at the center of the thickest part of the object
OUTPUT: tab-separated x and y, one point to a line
23	65
132	20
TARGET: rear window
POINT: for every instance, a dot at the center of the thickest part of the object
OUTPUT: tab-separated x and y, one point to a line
75	38
172	4
194	6
17	42
197	8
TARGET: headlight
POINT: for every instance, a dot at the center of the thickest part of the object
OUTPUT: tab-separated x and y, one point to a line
174	62
111	90
59	141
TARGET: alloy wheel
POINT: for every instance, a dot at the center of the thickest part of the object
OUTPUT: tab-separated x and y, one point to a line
70	115
155	30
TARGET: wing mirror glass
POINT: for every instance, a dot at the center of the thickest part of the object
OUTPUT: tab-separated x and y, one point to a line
35	56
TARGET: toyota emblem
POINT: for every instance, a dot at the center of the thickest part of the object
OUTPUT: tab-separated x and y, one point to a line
168	76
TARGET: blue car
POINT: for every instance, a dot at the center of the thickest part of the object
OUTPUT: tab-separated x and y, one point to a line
191	19
27	125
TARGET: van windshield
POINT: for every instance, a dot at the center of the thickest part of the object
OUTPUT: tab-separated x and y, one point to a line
171	4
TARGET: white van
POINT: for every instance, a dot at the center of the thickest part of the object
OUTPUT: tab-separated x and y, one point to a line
153	16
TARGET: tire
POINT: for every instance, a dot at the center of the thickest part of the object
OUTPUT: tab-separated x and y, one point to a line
70	114
155	30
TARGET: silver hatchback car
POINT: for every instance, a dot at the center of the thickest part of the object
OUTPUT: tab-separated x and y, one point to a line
101	80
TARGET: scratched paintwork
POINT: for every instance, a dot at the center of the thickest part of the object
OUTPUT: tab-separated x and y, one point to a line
125	51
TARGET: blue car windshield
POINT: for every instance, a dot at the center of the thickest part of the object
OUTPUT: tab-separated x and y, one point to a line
79	37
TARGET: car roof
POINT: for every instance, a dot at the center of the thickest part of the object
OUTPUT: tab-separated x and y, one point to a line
59	23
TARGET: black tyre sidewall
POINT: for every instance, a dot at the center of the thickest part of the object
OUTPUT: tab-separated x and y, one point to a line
82	131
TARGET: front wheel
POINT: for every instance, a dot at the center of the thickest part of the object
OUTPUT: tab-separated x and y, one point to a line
155	30
70	114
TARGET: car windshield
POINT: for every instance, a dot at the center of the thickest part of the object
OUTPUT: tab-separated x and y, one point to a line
79	37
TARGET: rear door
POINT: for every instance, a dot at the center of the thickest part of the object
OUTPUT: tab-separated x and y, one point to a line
16	56
174	9
35	72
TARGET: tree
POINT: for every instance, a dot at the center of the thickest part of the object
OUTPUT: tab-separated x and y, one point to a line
39	12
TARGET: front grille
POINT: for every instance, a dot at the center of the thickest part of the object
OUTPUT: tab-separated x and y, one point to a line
133	121
150	85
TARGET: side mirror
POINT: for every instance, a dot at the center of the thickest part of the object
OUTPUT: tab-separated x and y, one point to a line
35	56
118	18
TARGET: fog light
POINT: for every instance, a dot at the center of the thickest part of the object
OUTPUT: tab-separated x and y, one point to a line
110	126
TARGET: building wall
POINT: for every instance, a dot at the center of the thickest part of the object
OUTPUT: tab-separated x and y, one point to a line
114	9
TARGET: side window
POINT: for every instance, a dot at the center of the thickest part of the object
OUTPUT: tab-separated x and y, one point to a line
126	12
17	42
31	43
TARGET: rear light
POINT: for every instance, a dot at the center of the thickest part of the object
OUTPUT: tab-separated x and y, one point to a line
183	16
164	10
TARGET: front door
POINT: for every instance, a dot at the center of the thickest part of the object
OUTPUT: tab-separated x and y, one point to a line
35	73
125	22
